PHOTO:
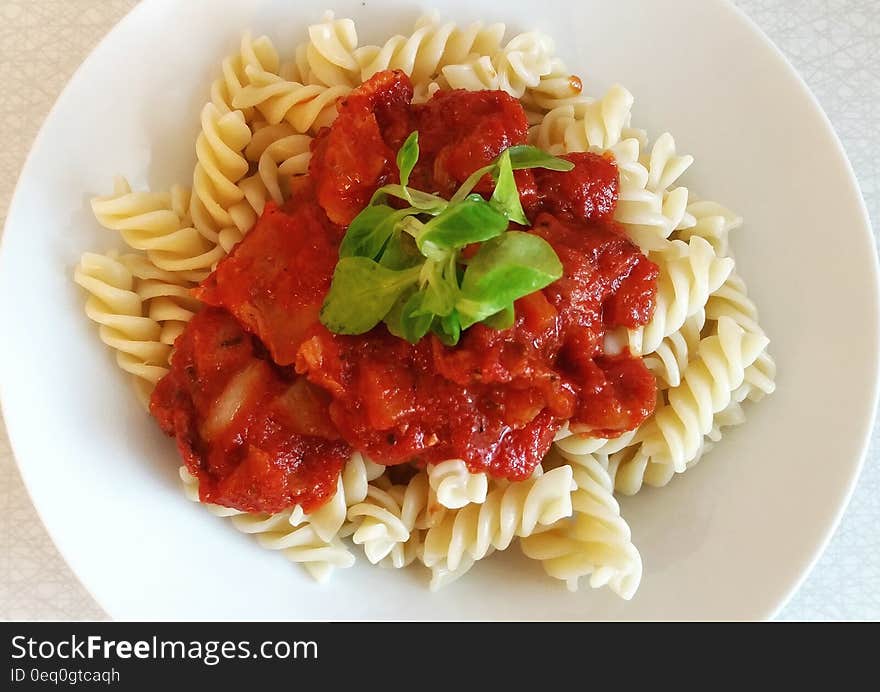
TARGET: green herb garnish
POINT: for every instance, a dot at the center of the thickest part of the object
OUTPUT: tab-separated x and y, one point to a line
403	266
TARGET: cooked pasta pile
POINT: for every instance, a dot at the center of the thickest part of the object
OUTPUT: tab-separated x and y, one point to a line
704	345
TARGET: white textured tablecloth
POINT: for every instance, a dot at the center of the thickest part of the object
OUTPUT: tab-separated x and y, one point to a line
835	44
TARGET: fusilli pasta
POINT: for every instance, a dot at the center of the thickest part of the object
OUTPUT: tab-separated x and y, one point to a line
115	305
454	486
304	106
689	274
673	436
595	541
430	47
221	164
510	510
157	223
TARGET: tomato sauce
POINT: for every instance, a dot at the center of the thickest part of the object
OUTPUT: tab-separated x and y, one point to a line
496	400
275	283
257	437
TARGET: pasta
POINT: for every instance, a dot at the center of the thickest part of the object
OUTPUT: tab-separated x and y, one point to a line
469	534
516	67
279	152
675	433
389	521
587	124
689	274
671	357
304	106
328	57
454	486
557	87
312	540
221	164
125	327
256	53
704	344
732	301
158	224
595	541
430	47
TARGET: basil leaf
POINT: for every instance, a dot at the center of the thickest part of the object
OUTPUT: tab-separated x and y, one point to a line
362	293
525	156
504	269
425	202
471	182
407	157
401	252
406	319
506	196
502	319
369	231
472	220
441	291
447	329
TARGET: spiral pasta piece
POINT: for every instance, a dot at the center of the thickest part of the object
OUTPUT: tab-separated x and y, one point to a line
732	301
689	273
118	309
431	47
712	222
304	106
388	523
165	295
595	541
573	443
631	468
351	489
418	511
549	132
512	510
259	53
599	123
221	164
519	65
671	357
157	224
664	164
328	57
557	87
676	432
455	486
280	153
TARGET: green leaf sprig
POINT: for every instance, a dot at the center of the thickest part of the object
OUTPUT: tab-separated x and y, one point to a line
404	266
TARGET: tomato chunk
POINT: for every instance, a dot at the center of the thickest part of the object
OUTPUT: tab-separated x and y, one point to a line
462	131
257	438
587	193
351	159
274	281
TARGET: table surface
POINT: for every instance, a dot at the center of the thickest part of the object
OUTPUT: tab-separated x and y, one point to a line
835	44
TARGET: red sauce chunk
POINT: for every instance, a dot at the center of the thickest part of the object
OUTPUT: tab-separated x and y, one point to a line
586	193
352	159
259	439
275	282
266	403
462	131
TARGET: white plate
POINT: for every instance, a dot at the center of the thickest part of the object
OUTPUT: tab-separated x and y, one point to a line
730	539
